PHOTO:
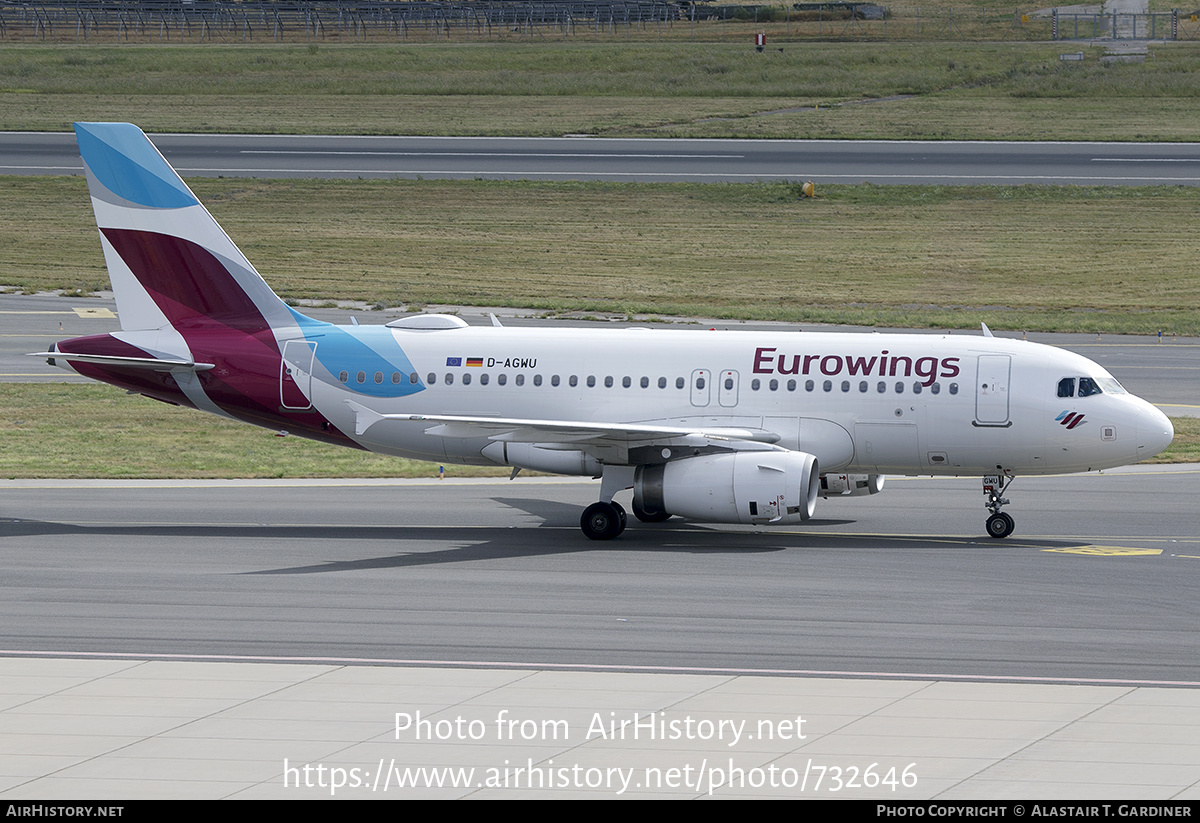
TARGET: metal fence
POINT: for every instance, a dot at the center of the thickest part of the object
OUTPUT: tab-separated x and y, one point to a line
371	20
226	21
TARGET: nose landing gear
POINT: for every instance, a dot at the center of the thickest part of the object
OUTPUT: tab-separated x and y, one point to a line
1000	524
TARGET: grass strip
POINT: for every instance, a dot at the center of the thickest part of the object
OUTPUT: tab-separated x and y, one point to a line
1036	258
933	90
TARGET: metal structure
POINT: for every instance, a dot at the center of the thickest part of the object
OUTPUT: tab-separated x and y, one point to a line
232	21
259	20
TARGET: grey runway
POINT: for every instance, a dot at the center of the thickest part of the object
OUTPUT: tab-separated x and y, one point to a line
645	160
1097	584
281	639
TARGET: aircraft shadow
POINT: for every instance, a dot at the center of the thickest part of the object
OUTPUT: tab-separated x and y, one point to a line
557	535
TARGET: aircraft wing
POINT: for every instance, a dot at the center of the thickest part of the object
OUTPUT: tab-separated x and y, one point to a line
583	433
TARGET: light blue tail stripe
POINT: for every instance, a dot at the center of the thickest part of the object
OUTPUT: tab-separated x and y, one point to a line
126	163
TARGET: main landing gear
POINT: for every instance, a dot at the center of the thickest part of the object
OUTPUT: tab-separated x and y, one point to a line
603	521
606	519
1000	524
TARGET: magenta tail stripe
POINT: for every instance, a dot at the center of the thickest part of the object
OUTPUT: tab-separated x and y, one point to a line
188	282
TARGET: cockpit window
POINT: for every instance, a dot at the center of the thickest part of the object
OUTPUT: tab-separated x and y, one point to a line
1089	386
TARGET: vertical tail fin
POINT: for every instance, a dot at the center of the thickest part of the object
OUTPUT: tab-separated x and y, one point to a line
169	261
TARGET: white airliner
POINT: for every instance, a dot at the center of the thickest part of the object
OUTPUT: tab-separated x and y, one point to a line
717	426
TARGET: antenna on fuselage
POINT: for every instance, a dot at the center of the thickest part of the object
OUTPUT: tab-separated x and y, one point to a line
986	331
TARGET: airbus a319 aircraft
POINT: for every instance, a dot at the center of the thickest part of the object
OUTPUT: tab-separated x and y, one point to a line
716	426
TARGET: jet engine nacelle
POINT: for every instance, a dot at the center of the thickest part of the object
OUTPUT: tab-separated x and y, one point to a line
739	487
850	485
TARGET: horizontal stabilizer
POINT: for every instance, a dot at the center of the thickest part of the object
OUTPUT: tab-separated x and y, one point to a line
155	363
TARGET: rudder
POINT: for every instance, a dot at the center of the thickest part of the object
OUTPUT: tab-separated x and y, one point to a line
169	261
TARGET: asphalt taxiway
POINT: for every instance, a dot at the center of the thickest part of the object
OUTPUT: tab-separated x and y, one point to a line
209	639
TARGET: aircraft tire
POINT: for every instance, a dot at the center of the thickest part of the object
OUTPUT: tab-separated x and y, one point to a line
1000	525
621	512
601	521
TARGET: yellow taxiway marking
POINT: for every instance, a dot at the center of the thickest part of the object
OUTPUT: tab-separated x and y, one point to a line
1107	551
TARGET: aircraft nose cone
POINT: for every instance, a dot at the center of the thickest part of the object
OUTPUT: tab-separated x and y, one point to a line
1155	432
